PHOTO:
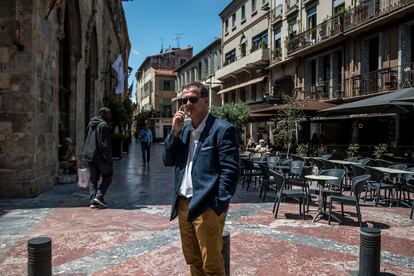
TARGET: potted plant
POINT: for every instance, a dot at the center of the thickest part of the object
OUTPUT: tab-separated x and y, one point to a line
277	53
379	150
352	150
285	123
302	149
122	113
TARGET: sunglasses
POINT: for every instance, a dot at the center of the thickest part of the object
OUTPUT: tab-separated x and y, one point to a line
192	99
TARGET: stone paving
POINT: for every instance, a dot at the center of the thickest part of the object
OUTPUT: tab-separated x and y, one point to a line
134	236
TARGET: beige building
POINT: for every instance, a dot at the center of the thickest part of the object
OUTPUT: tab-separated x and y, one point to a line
343	51
202	68
156	82
246	56
54	74
333	51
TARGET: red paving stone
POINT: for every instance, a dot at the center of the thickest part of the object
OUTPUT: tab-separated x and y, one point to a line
135	236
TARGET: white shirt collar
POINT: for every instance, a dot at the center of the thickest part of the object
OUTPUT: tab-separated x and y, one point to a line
201	126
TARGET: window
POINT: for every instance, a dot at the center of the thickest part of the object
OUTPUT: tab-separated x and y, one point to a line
233	21
166	85
253	6
182	61
259	41
339	7
243	13
278	43
226	26
230	57
199	71
311	14
278	37
242	94
253	92
292	27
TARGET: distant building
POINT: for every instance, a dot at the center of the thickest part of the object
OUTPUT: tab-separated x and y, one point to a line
202	67
54	74
156	87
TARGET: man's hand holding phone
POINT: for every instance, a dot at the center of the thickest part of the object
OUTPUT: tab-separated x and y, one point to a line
178	121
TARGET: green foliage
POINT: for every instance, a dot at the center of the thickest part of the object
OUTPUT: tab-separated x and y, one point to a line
380	150
352	149
342	10
142	117
121	110
322	149
302	149
286	121
235	113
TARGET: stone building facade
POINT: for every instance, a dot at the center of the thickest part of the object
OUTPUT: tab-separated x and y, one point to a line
54	74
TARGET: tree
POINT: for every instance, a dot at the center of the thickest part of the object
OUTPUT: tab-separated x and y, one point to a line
235	113
122	111
285	124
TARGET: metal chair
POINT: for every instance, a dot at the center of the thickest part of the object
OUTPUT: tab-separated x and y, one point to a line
281	192
250	171
358	185
265	184
376	184
272	161
408	187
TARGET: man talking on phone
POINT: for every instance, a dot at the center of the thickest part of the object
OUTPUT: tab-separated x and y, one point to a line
205	153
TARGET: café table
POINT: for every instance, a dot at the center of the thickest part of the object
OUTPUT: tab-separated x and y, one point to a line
320	180
394	173
345	164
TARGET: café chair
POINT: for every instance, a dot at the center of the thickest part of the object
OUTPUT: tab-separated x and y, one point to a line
358	184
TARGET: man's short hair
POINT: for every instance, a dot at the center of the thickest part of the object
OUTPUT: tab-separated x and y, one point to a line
202	89
104	110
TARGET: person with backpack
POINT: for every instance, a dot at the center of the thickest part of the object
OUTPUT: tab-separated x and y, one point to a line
98	153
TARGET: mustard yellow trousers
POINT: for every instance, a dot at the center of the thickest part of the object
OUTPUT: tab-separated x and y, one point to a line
202	240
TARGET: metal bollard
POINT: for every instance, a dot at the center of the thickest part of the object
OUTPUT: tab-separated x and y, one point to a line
225	252
369	252
39	257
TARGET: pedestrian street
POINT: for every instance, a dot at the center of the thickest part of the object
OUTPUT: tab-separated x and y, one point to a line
134	236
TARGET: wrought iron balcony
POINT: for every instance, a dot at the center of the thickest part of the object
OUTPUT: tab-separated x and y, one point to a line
321	32
323	90
383	80
370	10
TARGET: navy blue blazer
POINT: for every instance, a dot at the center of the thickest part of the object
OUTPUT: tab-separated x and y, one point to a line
215	171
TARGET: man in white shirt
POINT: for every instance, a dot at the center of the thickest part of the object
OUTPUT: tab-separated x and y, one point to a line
205	153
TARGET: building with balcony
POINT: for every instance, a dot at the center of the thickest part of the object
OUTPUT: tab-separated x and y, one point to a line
343	51
156	82
54	74
202	67
245	55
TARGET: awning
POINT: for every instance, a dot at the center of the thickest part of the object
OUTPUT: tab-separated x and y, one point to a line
387	103
256	80
303	105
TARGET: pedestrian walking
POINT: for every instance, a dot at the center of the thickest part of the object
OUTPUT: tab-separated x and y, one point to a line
98	154
145	135
205	153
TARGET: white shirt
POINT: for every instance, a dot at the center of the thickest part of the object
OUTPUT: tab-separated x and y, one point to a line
186	188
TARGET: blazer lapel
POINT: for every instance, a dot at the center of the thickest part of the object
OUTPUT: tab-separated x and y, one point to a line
204	134
185	137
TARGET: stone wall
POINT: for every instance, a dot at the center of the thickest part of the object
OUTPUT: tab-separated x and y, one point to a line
30	62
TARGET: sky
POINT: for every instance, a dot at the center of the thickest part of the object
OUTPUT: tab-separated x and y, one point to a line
152	23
